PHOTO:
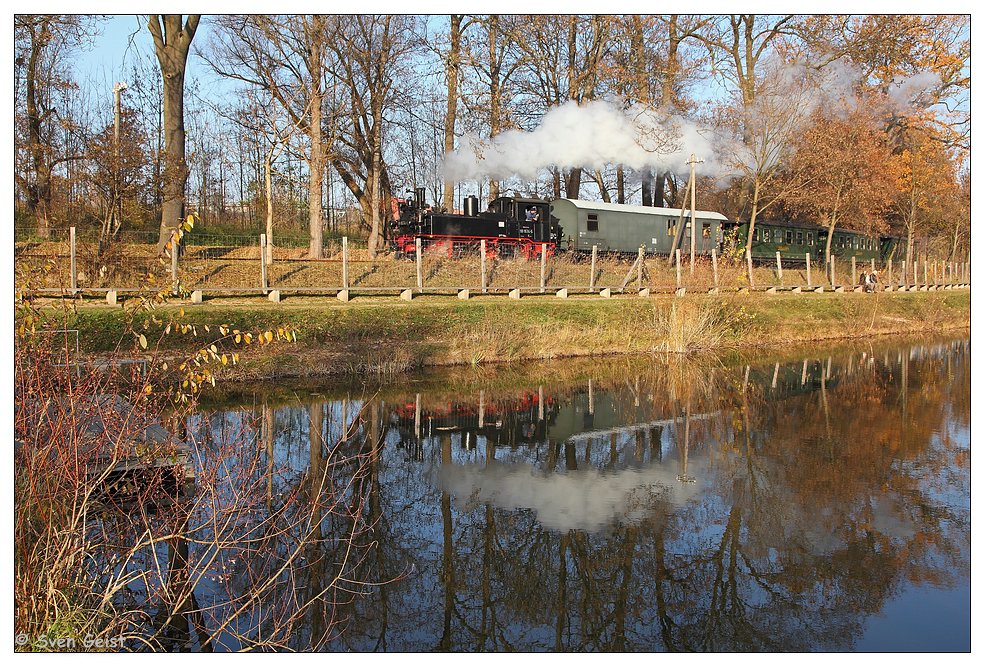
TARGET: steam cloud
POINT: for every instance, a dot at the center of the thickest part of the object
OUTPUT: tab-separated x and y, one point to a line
592	136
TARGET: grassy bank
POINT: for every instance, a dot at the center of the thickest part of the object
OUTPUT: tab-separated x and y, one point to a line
386	336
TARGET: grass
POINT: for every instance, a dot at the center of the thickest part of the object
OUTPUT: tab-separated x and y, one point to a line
383	335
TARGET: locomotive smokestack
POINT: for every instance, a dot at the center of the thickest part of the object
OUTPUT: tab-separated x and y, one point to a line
471	206
419	194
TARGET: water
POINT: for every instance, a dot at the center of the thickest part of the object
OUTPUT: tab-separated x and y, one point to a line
819	502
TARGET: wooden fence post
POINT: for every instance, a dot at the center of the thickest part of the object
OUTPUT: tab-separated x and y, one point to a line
345	262
71	250
591	279
714	266
263	263
639	268
482	265
779	268
543	267
420	267
174	262
854	272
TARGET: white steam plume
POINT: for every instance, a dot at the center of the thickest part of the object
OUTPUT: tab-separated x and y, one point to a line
592	135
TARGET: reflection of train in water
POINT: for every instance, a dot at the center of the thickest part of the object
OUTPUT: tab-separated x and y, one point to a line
518	226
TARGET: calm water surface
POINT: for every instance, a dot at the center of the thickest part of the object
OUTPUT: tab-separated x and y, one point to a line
810	504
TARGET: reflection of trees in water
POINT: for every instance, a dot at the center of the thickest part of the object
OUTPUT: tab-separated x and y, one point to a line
815	506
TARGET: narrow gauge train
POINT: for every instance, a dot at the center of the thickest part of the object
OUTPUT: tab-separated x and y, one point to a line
795	240
517	226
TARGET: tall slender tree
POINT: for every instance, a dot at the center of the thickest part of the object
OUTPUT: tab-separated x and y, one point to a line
172	40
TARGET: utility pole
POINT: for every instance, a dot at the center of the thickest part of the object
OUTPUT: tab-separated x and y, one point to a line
693	161
117	214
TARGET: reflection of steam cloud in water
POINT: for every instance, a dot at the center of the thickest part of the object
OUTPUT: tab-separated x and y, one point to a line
586	500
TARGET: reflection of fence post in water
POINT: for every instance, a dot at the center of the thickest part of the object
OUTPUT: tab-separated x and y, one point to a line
776	373
540	402
803	374
482	408
417	417
683	477
267	431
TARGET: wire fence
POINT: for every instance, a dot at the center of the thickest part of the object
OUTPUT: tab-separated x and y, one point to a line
234	263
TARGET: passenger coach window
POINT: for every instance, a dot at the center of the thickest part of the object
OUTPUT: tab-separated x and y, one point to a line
593	222
810	238
789	236
800	238
671	228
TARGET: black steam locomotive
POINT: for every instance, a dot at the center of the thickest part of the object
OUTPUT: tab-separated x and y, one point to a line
511	226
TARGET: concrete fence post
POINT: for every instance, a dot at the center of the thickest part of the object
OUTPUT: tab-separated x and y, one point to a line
345	262
71	251
677	261
807	259
639	268
831	267
854	271
779	268
420	266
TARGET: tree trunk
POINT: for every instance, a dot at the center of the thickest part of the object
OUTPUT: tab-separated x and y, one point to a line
647	192
171	43
495	94
451	111
316	161
752	227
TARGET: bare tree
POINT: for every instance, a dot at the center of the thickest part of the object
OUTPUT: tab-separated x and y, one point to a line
42	45
370	52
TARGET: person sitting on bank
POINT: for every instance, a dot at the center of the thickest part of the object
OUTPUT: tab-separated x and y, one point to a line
873	281
863	281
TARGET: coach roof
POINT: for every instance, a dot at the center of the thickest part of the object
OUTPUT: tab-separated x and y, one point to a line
646	210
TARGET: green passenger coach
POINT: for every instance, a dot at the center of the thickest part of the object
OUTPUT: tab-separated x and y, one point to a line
623	228
794	240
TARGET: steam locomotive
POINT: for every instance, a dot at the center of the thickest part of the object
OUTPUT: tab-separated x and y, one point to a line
511	226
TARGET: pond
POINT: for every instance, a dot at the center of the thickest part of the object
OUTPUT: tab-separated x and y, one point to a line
819	501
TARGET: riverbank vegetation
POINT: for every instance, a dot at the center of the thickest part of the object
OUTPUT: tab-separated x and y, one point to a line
384	336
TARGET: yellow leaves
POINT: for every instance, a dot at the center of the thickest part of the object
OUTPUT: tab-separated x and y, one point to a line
269	336
143	341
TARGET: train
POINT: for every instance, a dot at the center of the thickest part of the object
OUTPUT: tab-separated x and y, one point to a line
528	226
